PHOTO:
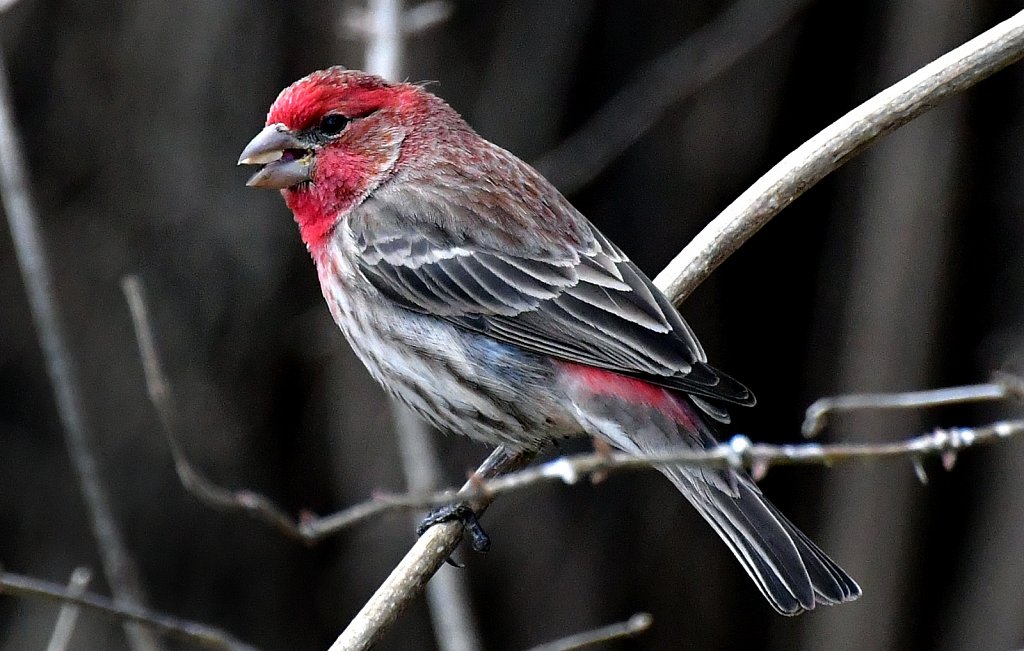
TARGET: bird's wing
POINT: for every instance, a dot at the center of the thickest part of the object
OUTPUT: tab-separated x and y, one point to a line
578	299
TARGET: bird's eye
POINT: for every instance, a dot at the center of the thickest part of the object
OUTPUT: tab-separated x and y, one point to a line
333	124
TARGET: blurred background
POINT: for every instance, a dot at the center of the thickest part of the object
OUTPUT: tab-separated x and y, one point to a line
901	271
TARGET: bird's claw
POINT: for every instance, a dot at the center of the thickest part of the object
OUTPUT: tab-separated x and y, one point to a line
463	513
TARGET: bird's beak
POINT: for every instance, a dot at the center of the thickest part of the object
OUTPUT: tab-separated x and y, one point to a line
286	160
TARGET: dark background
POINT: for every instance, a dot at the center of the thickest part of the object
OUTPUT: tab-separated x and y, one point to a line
901	271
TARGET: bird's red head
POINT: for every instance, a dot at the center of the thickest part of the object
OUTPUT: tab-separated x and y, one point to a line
331	139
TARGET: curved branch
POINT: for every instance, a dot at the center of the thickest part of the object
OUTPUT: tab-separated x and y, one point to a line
890	109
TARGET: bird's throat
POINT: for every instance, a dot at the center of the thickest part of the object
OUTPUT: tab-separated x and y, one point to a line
315	217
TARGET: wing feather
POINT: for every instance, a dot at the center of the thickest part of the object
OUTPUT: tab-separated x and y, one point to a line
516	278
580	299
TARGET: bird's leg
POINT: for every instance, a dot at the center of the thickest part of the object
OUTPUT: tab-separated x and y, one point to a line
464	513
501	461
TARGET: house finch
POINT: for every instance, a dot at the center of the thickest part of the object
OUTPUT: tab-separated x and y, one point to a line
477	295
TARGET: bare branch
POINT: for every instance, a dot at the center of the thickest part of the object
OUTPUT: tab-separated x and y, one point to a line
403	585
738	452
407	580
816	415
945	77
253	504
310	530
65	626
317	528
675	75
201	635
632	627
118	566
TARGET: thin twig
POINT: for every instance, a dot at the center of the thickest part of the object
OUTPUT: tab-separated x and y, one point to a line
632	627
68	617
945	77
118	566
253	504
201	635
738	452
637	106
817	414
259	507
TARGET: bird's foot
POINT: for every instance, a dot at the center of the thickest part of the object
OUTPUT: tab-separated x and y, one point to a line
463	513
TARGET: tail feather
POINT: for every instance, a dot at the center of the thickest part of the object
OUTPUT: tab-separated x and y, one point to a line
831	584
792	573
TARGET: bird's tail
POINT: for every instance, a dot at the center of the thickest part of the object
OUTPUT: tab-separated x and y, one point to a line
640	418
791	572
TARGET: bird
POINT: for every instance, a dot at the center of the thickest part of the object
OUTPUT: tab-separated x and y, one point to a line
478	296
